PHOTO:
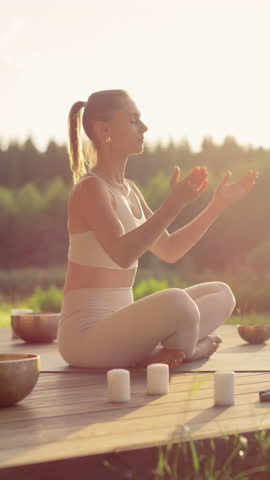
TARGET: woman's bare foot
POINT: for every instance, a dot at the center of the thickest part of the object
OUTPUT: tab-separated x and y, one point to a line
172	358
206	347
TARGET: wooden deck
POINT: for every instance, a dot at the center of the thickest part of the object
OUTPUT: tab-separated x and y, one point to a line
67	417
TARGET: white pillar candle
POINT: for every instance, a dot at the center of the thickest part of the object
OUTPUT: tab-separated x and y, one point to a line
224	388
118	383
157	379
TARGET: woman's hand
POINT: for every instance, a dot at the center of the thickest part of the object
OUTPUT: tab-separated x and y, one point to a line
226	193
188	189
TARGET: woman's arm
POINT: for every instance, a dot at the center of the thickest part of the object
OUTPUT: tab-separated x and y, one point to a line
91	201
171	247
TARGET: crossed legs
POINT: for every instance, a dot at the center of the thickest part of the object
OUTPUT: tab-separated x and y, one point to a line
181	320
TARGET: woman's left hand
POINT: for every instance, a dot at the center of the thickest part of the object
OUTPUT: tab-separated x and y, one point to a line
226	193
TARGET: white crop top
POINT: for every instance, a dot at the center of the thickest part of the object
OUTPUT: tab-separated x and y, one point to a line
85	249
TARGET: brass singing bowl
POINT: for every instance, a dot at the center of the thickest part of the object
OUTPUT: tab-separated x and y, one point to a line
36	327
254	333
19	373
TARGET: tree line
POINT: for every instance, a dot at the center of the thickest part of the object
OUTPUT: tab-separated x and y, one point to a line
34	189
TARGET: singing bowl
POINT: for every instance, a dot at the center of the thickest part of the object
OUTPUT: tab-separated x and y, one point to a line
19	373
254	333
36	327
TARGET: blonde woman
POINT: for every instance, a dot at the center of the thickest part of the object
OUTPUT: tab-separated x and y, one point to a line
110	228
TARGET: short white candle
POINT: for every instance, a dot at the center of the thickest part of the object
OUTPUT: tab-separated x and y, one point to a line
157	379
224	388
118	383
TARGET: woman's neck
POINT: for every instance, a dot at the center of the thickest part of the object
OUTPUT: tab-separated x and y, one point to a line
112	170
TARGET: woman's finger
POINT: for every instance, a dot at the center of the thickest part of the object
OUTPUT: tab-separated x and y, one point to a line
196	176
175	176
248	180
225	179
202	186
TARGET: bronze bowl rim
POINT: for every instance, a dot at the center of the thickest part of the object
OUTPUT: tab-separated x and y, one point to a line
253	325
24	357
43	314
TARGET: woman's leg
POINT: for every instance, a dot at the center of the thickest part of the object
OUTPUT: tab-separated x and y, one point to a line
132	333
215	302
179	319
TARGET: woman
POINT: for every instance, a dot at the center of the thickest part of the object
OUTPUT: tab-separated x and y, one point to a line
110	227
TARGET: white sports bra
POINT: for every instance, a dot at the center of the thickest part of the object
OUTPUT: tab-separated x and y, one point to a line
85	249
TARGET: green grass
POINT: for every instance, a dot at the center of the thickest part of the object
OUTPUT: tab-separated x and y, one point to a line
234	457
5	312
4	319
249	318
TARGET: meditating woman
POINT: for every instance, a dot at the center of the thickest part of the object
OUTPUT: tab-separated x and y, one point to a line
110	228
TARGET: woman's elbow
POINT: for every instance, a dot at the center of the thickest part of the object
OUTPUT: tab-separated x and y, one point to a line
171	259
124	261
123	264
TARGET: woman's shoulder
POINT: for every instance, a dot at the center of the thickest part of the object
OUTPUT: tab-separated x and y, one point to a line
89	190
88	183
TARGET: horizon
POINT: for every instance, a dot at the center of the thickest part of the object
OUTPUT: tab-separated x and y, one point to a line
149	145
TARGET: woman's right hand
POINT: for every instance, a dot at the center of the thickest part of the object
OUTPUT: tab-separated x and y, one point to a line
190	188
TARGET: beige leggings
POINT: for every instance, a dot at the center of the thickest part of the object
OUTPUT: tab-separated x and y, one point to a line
105	328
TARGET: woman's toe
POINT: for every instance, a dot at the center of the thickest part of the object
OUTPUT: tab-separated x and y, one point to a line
216	338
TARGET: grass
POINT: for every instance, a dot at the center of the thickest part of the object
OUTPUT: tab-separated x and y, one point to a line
234	457
5	315
5	309
248	318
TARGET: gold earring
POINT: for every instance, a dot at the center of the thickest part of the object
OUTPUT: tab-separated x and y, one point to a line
108	140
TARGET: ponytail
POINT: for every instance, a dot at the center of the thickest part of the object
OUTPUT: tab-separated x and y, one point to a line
76	157
100	106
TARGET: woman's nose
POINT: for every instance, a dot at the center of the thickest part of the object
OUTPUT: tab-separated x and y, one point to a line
144	128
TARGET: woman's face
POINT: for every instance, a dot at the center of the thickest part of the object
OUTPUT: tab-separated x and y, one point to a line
126	129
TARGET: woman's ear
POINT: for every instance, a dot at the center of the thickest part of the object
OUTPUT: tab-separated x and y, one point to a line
101	130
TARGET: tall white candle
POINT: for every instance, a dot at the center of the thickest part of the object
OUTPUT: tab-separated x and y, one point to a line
118	385
157	379
224	388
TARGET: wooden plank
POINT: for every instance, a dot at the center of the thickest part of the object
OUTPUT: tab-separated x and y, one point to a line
57	423
63	426
85	397
81	414
68	416
93	439
63	402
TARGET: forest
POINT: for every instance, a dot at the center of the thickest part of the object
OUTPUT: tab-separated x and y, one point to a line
34	190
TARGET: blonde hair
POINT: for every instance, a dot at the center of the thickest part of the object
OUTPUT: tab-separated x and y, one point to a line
100	106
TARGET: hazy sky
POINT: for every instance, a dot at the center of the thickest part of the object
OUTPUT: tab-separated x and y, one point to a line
194	67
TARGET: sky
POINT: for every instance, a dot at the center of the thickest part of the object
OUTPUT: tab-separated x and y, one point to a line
195	68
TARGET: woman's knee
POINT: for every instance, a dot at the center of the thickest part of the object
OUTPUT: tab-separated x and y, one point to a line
179	305
228	295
